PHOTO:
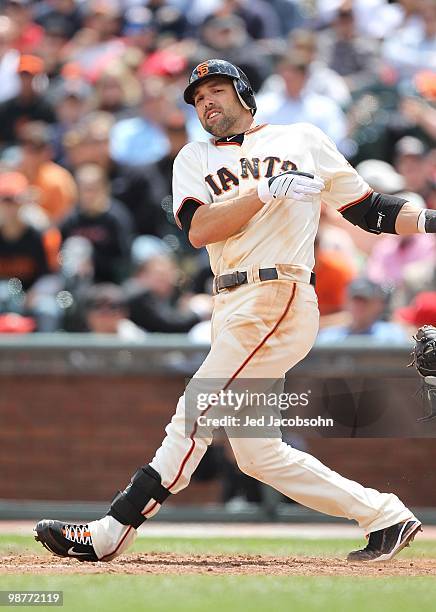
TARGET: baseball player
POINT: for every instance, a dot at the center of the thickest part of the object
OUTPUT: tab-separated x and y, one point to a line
252	196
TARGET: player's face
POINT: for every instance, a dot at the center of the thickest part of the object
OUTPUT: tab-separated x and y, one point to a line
218	106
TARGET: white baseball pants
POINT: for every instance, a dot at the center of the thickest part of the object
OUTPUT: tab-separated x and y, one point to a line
261	330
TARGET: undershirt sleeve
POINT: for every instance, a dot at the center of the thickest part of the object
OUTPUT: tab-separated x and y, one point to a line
186	213
188	182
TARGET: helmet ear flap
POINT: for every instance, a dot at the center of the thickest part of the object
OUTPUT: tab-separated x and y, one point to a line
243	92
238	85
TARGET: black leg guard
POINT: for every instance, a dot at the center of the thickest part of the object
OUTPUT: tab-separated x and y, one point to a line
127	505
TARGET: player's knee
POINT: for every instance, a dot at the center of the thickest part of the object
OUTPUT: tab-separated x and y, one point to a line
248	461
254	458
248	465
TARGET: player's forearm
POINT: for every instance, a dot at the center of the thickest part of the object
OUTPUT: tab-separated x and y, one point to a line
215	222
412	220
407	220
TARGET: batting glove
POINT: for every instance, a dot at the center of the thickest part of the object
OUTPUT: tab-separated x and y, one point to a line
290	185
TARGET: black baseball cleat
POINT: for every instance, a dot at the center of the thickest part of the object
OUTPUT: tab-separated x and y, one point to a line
66	540
386	543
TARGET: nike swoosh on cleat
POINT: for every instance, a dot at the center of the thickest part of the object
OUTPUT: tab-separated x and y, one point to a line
74	553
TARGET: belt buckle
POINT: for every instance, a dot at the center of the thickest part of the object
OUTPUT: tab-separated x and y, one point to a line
241	278
219	289
235	279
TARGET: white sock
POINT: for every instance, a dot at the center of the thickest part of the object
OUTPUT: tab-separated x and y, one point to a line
106	534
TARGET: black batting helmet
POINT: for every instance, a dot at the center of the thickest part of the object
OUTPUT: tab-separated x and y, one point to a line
219	67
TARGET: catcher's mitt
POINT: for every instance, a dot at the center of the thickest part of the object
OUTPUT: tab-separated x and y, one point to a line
424	360
424	352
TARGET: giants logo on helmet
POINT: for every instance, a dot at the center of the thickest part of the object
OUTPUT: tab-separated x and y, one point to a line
202	69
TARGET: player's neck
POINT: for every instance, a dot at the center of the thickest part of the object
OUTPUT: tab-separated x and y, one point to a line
240	127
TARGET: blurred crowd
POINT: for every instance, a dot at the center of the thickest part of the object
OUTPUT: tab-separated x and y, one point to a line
92	117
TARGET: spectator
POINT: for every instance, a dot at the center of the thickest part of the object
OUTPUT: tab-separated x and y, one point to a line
413	47
322	79
416	278
421	311
139	188
392	254
153	294
227	38
9	58
296	104
28	35
291	15
22	255
169	65
51	48
117	90
129	135
60	297
103	221
375	19
88	141
198	10
334	271
14	323
139	30
347	53
27	105
413	164
97	43
260	18
106	312
366	304
170	22
71	99
59	12
334	235
54	187
431	198
381	176
175	130
420	112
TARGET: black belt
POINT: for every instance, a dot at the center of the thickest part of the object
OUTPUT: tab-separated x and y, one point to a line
235	279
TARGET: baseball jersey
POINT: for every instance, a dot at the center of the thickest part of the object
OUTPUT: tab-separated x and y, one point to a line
284	230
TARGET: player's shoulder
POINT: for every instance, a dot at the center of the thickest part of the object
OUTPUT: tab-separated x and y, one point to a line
308	129
191	151
299	129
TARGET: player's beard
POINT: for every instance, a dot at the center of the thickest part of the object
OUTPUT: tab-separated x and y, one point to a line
223	127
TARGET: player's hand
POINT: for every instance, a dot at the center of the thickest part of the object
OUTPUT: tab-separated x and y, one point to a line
290	185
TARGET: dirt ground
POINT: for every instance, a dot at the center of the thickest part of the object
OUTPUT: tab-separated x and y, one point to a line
172	563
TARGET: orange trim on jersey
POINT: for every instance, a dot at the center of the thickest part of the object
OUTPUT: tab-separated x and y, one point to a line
176	215
256	128
226	144
250	131
345	206
234	375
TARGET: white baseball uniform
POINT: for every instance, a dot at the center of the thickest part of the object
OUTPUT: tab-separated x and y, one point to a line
262	329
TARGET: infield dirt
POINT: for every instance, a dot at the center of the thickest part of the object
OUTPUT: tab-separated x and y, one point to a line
235	564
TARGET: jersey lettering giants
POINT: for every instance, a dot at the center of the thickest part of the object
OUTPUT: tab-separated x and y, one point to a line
284	230
224	178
